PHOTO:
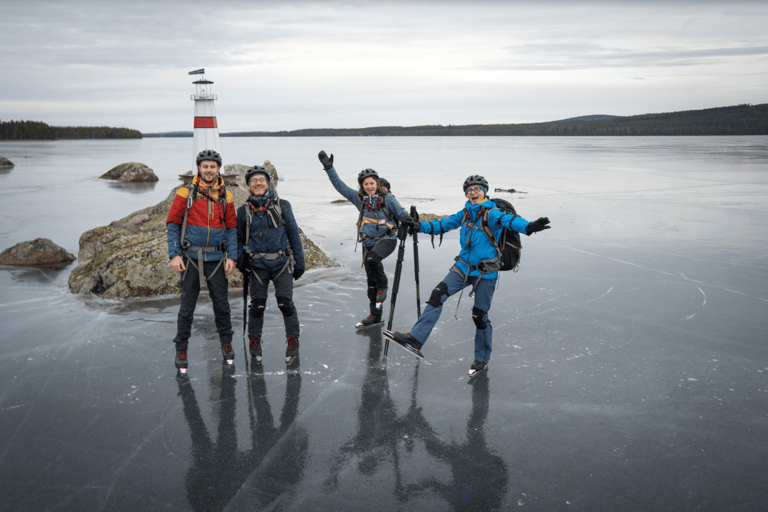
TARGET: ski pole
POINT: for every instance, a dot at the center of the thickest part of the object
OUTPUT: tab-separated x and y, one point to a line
415	216
402	234
510	190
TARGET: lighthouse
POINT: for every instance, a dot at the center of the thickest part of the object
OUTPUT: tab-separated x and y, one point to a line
206	134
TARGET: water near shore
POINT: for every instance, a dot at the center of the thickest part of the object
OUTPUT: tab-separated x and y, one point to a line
629	365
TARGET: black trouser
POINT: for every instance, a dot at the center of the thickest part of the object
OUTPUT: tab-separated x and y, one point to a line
218	289
374	269
284	297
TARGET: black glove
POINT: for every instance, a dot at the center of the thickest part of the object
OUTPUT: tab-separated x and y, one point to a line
243	262
326	160
414	228
539	224
297	273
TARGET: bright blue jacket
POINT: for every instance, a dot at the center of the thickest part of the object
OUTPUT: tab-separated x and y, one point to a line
475	246
266	238
374	222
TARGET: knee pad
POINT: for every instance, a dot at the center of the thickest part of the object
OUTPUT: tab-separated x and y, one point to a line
286	306
477	317
257	307
436	299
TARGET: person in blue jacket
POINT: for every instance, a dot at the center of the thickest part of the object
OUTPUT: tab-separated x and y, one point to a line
472	268
377	225
269	247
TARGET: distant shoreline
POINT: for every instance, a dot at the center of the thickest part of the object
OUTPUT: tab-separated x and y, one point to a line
737	120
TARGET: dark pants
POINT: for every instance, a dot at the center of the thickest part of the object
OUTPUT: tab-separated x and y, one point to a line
190	290
283	295
374	268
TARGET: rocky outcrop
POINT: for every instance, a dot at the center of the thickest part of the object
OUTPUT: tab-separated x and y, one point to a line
40	252
130	172
129	257
4	162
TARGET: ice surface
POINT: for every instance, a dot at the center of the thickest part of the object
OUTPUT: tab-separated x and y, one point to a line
628	373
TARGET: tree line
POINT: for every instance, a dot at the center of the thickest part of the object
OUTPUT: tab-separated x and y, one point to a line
36	130
737	120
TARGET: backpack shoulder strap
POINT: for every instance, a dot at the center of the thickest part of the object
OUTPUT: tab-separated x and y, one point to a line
191	197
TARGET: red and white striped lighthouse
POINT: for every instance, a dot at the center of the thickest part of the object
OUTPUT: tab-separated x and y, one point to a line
206	134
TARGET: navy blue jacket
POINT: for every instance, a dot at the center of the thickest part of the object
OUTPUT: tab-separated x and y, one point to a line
374	222
265	238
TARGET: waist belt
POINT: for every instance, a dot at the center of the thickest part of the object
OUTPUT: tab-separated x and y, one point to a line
199	264
273	256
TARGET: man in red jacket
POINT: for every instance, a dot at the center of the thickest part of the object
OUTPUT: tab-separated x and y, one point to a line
202	242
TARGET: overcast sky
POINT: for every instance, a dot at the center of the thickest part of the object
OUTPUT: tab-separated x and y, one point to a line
290	65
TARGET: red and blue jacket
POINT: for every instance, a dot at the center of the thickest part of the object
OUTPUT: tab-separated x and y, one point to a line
207	224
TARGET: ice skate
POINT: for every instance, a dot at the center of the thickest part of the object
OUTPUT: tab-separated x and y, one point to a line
181	361
477	367
292	351
254	347
405	341
369	321
228	353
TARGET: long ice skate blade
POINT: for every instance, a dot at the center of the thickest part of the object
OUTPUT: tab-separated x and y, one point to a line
407	348
360	325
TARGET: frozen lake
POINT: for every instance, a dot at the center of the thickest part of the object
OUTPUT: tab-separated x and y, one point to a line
630	363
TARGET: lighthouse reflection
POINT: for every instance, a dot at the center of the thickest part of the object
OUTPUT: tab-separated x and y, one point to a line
478	478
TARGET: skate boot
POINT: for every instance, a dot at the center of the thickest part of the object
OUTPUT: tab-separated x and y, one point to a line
228	353
406	341
292	351
477	367
369	321
181	360
254	347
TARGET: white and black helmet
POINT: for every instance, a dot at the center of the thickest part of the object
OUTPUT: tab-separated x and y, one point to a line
475	179
209	154
367	173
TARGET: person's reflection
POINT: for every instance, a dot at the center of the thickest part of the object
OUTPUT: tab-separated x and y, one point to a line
479	477
219	469
282	450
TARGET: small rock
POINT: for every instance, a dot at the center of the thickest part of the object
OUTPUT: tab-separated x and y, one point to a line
130	172
40	252
4	162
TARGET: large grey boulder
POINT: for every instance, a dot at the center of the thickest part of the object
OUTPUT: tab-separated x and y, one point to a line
4	162
129	257
130	172
40	252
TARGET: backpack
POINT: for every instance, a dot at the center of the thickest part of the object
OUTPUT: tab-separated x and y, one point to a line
394	221
508	246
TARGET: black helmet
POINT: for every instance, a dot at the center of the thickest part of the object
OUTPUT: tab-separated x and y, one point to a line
366	173
256	169
475	180
209	154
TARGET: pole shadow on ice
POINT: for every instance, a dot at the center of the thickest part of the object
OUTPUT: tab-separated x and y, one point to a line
478	476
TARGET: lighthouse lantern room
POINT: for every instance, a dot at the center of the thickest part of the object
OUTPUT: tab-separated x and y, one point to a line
206	133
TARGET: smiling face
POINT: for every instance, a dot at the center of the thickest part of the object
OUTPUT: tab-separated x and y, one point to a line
370	186
209	171
475	194
258	184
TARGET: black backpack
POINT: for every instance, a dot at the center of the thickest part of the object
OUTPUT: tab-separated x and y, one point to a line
508	246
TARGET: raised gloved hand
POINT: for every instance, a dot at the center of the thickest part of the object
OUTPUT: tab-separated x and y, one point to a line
326	160
297	273
539	224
